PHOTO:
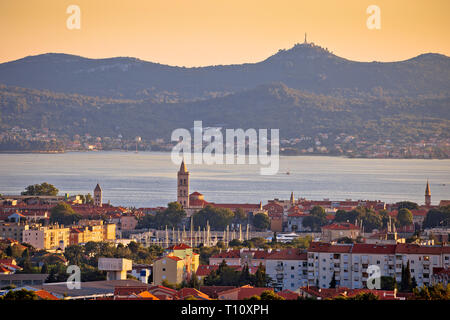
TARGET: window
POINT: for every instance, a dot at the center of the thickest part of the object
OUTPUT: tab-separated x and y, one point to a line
292	267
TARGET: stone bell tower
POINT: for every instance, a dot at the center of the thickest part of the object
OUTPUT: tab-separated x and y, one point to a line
98	196
183	186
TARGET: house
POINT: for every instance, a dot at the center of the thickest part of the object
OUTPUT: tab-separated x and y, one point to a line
241	293
178	264
295	221
191	292
241	257
213	291
289	295
339	230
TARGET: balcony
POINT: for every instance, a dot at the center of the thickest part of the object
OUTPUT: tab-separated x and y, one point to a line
279	268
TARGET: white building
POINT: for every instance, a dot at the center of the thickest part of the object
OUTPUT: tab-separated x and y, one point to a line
350	262
287	268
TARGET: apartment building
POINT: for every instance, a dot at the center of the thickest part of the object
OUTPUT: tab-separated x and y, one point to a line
48	238
178	263
13	230
350	263
57	236
288	269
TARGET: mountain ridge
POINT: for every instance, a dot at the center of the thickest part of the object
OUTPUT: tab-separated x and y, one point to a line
304	66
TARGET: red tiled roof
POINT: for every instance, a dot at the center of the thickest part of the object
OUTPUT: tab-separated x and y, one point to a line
245	292
185	292
374	248
213	291
175	258
4	270
288	254
288	294
45	295
328	247
180	246
341	226
227	254
411	248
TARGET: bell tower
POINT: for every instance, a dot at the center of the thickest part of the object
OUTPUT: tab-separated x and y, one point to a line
98	196
427	195
183	186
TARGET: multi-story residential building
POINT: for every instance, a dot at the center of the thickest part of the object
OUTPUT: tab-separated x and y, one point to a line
57	236
13	230
49	237
287	268
351	263
178	263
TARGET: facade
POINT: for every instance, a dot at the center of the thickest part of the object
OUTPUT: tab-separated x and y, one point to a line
116	268
178	264
56	236
288	269
339	230
350	262
13	230
48	238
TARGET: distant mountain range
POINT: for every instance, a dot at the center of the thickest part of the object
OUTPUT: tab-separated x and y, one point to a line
304	67
302	91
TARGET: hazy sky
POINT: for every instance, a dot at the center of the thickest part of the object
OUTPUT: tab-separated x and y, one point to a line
211	32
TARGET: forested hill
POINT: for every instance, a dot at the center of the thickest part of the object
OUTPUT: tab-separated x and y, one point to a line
305	67
295	112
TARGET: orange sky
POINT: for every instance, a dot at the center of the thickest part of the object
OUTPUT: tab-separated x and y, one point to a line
211	32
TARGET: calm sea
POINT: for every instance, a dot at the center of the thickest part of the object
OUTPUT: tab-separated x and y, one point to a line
148	179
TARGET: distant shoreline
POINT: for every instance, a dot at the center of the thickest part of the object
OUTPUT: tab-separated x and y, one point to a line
160	151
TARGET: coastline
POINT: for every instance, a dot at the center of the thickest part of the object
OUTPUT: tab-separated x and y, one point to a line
161	151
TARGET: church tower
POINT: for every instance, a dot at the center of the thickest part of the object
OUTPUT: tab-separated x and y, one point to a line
183	186
427	195
98	196
292	200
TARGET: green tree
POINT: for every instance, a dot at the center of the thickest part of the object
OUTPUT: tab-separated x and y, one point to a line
240	216
261	278
388	283
43	189
333	281
404	217
407	205
261	221
406	281
218	218
171	217
270	295
21	295
63	213
437	218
